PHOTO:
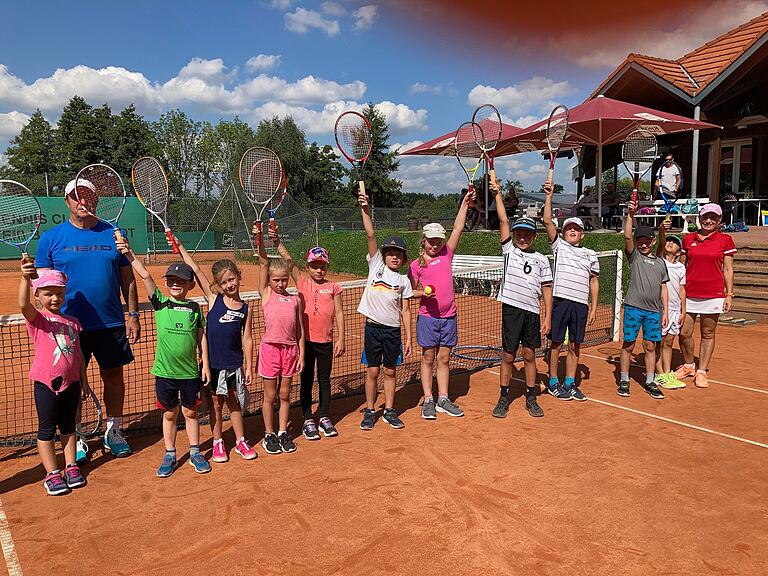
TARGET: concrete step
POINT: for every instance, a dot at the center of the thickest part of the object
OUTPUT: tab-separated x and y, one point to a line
752	294
751	255
751	279
750	267
749	309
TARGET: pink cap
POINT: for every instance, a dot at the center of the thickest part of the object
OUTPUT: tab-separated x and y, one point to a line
318	254
49	278
711	208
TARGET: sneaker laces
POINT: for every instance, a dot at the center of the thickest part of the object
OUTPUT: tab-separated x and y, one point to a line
117	436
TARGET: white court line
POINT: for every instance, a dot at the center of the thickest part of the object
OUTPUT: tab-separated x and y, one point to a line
9	550
712	381
668	420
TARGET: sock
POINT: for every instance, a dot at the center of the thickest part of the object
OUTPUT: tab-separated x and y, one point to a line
194	449
281	432
554	381
171	451
219	441
649	377
504	390
57	471
428	399
441	396
113	422
624	376
530	391
569	382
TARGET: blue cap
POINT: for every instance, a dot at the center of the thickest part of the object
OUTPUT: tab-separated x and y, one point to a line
524	224
676	240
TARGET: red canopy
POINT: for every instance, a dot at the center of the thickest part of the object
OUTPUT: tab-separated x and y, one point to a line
443	145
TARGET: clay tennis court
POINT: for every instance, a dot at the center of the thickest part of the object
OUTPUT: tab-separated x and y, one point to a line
608	486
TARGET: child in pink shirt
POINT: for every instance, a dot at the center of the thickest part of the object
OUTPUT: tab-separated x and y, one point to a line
58	373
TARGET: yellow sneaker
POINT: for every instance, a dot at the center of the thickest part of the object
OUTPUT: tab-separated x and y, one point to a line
662	381
672	382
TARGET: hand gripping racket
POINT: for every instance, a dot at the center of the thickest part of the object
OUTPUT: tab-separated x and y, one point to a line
100	191
638	153
20	215
275	202
489	120
469	153
151	186
557	130
260	175
354	139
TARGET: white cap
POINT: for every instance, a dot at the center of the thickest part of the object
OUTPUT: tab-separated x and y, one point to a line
573	220
434	230
81	182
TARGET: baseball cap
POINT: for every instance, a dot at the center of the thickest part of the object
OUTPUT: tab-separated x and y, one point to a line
70	187
644	232
180	270
524	224
318	254
573	220
49	278
710	208
676	240
434	230
394	242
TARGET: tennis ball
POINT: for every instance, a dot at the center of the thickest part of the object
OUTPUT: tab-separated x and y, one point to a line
429	290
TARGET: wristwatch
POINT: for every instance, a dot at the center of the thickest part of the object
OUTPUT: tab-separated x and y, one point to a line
133	314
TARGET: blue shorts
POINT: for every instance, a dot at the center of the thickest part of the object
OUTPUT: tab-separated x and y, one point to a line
170	390
636	318
571	316
436	332
382	345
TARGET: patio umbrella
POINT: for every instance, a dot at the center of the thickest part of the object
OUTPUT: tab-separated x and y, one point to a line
599	122
443	145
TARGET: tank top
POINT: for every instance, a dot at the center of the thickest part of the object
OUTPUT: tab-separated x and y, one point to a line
225	335
280	318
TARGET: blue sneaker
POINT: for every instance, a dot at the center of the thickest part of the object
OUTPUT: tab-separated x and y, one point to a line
115	442
559	392
577	394
200	463
168	465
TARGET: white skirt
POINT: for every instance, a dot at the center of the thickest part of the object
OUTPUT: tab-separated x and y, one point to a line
704	305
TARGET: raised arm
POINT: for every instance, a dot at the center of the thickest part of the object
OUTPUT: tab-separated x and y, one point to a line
138	266
202	279
629	241
25	304
285	254
549	190
501	212
258	241
458	223
365	214
662	239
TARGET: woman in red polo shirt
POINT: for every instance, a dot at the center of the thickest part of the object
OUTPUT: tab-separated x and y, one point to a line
709	290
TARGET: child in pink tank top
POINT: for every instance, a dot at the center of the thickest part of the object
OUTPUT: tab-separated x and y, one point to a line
281	351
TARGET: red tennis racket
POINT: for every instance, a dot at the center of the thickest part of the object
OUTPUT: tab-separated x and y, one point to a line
354	139
557	130
489	120
468	152
151	186
638	153
100	191
260	175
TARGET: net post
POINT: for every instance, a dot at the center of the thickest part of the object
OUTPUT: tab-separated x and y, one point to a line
618	296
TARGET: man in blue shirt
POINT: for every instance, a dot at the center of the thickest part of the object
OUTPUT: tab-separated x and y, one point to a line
84	249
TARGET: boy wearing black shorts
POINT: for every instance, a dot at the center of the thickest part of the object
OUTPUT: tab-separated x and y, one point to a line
526	281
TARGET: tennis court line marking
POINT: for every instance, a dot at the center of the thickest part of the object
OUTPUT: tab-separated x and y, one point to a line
9	549
664	419
637	364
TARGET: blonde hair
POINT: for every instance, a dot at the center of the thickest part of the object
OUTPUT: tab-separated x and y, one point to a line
277	264
217	270
422	252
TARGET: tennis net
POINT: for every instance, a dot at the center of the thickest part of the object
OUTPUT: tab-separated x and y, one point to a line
479	318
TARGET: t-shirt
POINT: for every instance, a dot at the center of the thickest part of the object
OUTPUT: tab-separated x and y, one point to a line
704	264
224	335
647	274
91	261
280	318
319	308
177	324
676	271
437	273
384	291
524	275
668	176
574	266
57	349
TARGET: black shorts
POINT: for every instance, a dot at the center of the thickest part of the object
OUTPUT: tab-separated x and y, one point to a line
169	390
56	410
570	315
382	345
231	380
519	328
109	346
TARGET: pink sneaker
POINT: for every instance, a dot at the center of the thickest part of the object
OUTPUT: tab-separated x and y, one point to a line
244	450
219	452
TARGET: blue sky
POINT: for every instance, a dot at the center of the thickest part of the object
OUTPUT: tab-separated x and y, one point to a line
314	59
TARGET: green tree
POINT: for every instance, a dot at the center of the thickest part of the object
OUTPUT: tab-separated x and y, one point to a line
30	155
321	180
384	190
232	138
289	142
68	143
130	139
177	136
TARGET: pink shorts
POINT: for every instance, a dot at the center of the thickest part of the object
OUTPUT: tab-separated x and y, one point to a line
277	360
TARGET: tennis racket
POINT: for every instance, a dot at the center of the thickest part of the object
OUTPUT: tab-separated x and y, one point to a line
151	186
20	215
489	120
100	191
557	130
260	175
638	153
354	139
669	197
90	417
275	202
469	153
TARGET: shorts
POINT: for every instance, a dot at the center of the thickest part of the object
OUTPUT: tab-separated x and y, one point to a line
169	390
571	316
277	360
648	320
56	410
382	345
673	323
704	305
109	346
436	332
519	328
229	375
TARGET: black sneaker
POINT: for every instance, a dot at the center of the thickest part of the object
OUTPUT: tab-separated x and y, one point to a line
271	444
577	394
559	392
533	407
327	427
501	408
391	417
623	389
654	391
309	430
286	442
369	419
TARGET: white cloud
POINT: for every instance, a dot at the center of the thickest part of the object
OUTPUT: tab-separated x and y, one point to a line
281	4
263	62
302	20
333	9
365	16
432	175
535	94
532	173
420	88
399	146
11	124
402	119
211	71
